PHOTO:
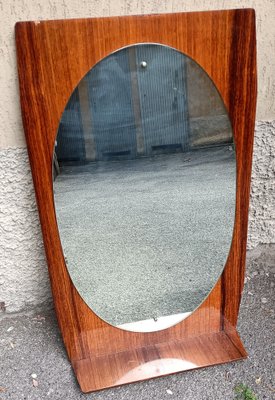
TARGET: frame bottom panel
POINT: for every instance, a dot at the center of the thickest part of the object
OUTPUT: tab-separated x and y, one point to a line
158	360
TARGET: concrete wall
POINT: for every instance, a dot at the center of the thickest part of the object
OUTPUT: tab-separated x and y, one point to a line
23	273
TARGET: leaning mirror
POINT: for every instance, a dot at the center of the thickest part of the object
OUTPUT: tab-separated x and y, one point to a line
144	187
142	184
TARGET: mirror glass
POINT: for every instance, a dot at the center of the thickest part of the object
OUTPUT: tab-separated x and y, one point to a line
144	177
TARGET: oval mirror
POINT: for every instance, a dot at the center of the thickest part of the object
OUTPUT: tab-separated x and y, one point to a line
144	189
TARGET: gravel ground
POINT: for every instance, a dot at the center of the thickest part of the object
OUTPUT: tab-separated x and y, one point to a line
163	224
31	344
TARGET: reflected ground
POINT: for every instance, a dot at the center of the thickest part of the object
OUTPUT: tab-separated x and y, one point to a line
148	237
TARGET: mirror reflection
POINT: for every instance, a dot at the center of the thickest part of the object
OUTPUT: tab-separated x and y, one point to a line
144	187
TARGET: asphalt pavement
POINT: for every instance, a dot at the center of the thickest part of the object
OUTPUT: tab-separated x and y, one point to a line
149	237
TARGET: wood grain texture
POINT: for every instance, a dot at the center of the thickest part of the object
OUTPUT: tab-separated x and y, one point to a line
155	360
53	56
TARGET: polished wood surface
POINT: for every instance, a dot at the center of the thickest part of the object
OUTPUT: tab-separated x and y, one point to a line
156	360
52	57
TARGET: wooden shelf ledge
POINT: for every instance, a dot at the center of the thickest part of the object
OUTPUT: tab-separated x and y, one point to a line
158	360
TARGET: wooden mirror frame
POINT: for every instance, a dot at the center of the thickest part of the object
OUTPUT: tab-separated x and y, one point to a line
52	58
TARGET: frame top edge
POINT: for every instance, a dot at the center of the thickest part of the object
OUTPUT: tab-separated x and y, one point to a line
139	16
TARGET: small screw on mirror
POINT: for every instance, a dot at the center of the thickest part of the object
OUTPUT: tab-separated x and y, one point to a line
143	64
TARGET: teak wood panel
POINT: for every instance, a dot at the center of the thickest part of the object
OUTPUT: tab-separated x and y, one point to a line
52	58
156	360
